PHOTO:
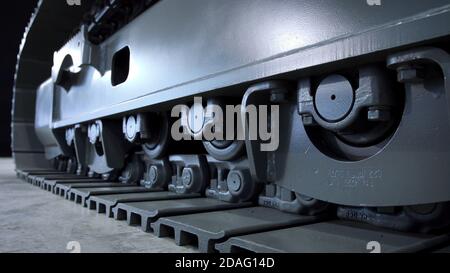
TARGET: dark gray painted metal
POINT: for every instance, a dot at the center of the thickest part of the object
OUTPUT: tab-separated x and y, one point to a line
220	218
43	118
22	141
192	174
62	189
144	213
289	37
334	98
110	134
274	196
49	185
37	179
105	203
158	173
80	195
395	175
330	237
211	227
33	67
236	186
236	47
250	51
28	160
23	174
426	218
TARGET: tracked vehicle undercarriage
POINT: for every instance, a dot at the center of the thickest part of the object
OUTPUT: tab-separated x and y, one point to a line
360	100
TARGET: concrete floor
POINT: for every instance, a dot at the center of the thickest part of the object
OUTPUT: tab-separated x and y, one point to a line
32	220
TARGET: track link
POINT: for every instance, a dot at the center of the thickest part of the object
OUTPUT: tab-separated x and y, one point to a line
331	237
208	228
217	226
106	203
145	213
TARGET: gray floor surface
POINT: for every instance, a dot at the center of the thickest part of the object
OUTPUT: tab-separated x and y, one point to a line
32	220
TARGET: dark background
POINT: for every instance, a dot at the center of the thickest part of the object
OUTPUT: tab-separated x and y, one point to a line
14	17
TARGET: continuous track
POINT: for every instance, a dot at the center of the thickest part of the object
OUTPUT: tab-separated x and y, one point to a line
216	226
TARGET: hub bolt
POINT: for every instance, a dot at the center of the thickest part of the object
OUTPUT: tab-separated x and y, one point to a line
187	176
234	181
377	114
153	174
93	133
410	74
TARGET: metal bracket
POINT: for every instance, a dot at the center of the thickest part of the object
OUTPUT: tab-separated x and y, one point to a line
191	175
258	94
285	200
232	181
158	173
106	150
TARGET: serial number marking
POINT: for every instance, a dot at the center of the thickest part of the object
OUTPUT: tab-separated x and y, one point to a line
356	215
247	262
204	264
271	204
353	178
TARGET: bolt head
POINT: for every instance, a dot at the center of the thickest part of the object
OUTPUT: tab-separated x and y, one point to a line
308	120
409	75
234	181
153	174
277	97
130	130
125	175
378	115
187	176
70	135
93	133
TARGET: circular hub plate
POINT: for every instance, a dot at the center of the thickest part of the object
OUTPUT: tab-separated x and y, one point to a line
334	98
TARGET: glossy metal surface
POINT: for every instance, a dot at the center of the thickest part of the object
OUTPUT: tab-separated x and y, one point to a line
181	48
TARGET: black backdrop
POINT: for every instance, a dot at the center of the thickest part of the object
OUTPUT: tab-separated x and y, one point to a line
14	16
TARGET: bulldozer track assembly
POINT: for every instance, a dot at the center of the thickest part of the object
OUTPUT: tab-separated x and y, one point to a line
355	106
